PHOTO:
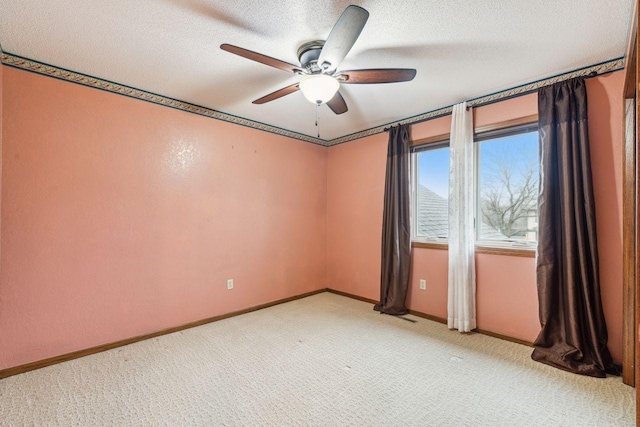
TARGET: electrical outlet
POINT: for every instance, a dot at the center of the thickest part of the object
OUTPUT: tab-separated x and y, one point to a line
423	284
229	283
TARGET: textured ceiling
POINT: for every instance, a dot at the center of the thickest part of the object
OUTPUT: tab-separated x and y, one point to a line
461	49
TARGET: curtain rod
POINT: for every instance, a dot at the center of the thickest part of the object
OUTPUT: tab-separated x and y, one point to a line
588	76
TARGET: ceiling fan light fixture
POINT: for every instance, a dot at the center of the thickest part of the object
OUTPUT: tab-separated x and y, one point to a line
319	88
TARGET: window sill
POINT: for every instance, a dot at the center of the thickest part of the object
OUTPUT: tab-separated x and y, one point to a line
430	245
527	253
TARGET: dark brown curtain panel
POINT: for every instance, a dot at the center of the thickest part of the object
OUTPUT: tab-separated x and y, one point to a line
396	236
574	334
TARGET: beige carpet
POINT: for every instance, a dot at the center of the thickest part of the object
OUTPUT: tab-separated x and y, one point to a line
323	360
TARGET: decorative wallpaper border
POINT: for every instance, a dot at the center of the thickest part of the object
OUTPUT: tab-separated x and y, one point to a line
83	79
602	68
86	80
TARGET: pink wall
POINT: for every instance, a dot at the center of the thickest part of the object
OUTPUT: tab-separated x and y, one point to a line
506	286
1	117
355	177
121	217
605	135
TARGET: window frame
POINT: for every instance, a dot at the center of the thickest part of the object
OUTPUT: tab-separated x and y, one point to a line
487	135
441	141
518	125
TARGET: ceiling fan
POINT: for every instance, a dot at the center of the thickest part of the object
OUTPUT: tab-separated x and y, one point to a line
319	61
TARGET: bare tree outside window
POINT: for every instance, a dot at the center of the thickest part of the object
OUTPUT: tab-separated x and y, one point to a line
509	186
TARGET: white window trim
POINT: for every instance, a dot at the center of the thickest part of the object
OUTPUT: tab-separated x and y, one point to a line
484	243
414	195
487	243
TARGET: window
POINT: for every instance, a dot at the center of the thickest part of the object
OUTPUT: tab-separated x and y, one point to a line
430	192
507	171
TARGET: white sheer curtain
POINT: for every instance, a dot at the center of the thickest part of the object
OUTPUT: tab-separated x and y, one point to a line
462	268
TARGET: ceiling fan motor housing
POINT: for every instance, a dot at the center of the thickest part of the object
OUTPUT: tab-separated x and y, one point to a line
308	54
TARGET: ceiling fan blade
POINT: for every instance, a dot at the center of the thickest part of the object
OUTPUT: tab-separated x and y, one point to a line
379	75
278	94
337	104
342	37
264	59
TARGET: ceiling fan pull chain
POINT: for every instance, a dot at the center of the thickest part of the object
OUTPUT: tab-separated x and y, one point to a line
317	126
